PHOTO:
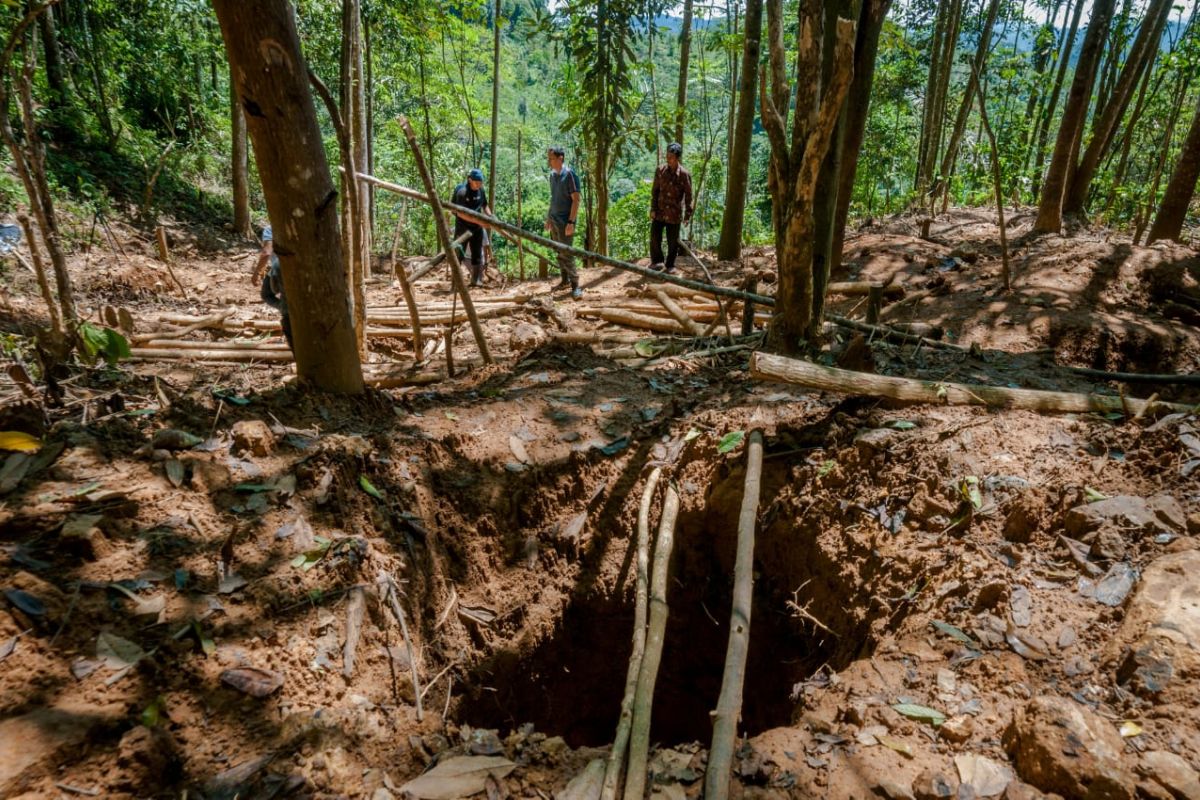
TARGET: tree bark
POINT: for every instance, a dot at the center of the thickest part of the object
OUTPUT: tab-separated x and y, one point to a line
1142	53
1070	131
272	82
685	47
730	244
240	165
1168	222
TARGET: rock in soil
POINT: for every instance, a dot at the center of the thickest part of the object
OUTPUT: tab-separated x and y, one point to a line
1172	773
1060	746
1160	636
252	436
1133	514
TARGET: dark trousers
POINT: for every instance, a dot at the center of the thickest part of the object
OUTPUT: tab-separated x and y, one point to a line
656	231
566	261
278	301
475	243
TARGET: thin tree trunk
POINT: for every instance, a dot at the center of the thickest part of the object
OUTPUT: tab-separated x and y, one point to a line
1006	270
941	16
240	164
1066	147
1168	222
964	110
950	47
495	102
729	704
1145	46
1047	116
685	46
730	244
39	269
272	81
520	218
1161	161
55	73
1127	139
353	117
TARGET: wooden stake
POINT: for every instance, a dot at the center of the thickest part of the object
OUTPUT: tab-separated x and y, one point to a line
410	300
729	704
765	366
164	255
444	237
639	738
354	617
616	758
748	310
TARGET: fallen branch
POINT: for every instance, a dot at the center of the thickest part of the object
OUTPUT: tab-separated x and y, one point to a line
855	288
354	617
1192	379
164	353
432	263
765	366
644	321
639	737
616	758
885	332
729	704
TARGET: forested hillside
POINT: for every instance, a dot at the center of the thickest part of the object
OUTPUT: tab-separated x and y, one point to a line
600	399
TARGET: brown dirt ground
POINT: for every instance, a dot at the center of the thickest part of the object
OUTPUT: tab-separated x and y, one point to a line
515	569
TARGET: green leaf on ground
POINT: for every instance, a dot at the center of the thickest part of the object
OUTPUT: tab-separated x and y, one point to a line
730	441
954	633
922	713
1093	495
369	487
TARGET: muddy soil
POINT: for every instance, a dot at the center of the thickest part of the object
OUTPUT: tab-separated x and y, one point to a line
947	601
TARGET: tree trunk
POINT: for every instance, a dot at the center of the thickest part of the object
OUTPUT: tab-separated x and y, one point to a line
685	46
355	236
495	102
730	244
1127	137
1164	151
55	73
1168	222
1104	124
921	179
1070	131
240	165
964	110
272	81
1043	132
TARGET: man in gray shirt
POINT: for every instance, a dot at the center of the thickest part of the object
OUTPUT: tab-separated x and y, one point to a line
560	219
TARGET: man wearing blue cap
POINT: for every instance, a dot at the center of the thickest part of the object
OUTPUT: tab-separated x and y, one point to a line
471	195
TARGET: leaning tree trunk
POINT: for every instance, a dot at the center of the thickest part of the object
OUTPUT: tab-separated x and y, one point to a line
1145	46
1047	115
240	165
685	46
1168	222
730	245
870	25
1070	131
921	179
272	81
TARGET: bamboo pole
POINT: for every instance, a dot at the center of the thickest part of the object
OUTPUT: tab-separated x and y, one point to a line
765	366
520	233
444	237
729	704
432	263
639	737
520	244
616	758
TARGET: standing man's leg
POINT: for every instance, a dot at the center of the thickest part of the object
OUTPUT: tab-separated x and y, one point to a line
566	261
477	256
656	253
672	245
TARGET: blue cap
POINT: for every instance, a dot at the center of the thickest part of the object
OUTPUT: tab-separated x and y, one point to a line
475	175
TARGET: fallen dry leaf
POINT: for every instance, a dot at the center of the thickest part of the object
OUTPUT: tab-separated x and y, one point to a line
252	680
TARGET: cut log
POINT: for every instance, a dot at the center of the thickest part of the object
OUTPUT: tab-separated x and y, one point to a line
224	344
679	314
729	703
766	366
214	321
643	321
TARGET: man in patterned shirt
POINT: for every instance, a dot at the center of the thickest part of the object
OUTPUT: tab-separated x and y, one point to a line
670	206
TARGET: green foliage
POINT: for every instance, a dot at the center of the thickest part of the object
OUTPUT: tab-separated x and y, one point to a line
96	341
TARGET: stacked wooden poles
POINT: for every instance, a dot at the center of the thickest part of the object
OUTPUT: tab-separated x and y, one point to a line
729	704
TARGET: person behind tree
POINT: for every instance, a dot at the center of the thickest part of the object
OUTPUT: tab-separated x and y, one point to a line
670	206
471	195
560	218
267	270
